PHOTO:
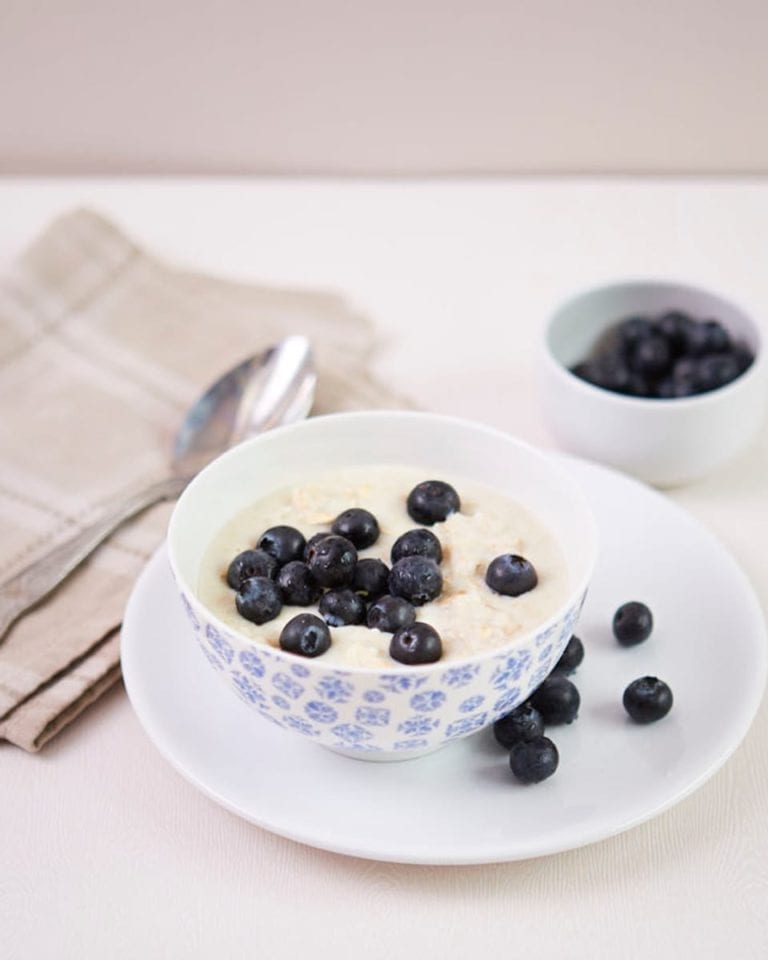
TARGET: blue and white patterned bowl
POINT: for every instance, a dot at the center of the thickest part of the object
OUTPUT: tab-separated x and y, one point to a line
401	712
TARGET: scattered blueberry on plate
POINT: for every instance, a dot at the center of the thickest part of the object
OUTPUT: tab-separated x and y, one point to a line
647	699
523	723
557	700
570	658
632	623
532	761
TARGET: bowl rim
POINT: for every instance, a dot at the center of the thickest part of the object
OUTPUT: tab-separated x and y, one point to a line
576	593
708	398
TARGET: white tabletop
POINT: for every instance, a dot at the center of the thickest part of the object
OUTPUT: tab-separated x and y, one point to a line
106	851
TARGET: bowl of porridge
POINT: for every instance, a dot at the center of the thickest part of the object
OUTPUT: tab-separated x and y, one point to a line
382	583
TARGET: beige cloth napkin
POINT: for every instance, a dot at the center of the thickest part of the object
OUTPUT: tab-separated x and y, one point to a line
102	349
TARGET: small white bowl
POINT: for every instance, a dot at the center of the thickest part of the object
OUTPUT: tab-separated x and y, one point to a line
664	442
401	712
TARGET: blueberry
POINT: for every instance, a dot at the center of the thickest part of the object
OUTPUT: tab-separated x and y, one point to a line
635	329
696	340
718	338
632	623
258	600
641	357
638	386
340	608
743	356
583	371
332	561
571	657
716	370
360	527
683	390
708	336
610	371
607	369
532	761
306	635
651	357
417	543
315	538
685	377
298	586
511	575
390	614
250	563
648	699
557	700
283	543
419	643
371	578
523	723
674	326
432	501
416	579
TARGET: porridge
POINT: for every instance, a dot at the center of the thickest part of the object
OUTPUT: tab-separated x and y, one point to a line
412	571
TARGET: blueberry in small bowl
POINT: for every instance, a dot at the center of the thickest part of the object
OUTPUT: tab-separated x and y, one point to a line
664	381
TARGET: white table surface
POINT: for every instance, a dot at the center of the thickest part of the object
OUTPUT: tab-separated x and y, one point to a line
106	852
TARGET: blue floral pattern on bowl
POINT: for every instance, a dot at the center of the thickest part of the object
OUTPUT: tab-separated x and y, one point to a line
372	714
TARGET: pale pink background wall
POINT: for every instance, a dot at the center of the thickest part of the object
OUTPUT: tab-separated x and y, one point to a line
426	86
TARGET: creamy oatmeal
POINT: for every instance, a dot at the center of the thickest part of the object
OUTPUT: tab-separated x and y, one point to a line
468	615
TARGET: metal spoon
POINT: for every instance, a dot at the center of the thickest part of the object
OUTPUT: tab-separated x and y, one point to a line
264	391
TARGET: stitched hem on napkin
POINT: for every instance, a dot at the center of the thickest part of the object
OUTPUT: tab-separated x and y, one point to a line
56	704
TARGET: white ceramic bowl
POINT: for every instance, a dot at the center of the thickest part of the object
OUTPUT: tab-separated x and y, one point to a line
403	711
664	442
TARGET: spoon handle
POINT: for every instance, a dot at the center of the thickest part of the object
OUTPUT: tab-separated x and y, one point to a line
33	583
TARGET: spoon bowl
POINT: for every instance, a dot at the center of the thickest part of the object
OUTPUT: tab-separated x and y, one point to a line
264	391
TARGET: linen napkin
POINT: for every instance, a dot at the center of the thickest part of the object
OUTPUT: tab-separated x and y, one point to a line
102	349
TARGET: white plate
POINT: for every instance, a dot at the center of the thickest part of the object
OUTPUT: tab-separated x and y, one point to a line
461	805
